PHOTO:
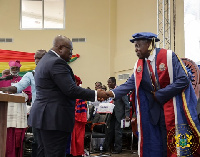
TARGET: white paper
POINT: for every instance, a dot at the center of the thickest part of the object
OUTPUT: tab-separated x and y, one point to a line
105	108
124	123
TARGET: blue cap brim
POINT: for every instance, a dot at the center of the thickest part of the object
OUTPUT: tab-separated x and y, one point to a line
134	39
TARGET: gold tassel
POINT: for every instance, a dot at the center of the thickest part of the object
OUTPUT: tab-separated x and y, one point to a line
151	52
152	46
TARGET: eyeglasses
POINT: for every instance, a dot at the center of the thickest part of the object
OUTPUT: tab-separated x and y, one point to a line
68	48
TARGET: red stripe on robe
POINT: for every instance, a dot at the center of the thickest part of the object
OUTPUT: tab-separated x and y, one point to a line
168	107
138	78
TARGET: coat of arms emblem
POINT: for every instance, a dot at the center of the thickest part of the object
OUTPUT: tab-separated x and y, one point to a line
162	67
183	140
139	69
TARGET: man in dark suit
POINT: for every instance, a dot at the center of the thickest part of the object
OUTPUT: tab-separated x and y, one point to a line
121	111
164	99
56	91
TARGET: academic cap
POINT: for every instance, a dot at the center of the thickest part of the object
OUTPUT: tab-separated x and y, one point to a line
144	36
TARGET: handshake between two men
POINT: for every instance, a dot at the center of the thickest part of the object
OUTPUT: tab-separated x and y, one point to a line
104	95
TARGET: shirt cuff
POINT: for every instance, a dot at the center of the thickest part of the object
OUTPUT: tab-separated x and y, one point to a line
95	95
113	94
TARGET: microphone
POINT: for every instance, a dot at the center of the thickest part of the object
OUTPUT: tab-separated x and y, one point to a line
9	77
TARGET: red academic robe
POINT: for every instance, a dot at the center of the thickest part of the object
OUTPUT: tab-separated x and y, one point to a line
78	134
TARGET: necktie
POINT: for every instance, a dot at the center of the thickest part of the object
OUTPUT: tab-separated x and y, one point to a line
152	75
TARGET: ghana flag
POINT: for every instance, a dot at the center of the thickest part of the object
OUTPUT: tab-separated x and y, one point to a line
26	60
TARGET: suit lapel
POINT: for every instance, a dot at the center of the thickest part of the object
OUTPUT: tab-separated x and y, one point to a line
70	69
72	74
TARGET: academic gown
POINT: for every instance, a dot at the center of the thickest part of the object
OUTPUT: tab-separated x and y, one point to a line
175	99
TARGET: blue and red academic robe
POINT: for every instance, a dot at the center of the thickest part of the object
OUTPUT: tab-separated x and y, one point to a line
78	134
179	104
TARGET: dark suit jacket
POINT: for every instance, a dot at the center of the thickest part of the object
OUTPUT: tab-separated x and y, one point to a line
122	108
56	91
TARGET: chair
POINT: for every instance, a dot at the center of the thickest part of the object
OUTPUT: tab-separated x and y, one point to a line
90	110
127	138
27	143
98	131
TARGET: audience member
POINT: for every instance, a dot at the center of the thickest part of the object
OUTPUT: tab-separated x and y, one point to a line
28	80
98	85
104	87
121	111
5	72
16	115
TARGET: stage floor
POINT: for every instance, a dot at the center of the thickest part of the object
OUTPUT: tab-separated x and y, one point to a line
124	153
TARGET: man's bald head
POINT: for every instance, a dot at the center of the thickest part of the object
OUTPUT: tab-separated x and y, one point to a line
38	55
60	40
63	47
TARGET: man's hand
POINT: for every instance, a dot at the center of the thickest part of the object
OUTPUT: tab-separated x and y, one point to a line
110	94
101	95
154	96
127	119
9	90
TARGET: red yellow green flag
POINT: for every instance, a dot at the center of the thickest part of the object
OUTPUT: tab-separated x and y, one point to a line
26	60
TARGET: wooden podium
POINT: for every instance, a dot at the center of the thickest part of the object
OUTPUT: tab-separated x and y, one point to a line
4	99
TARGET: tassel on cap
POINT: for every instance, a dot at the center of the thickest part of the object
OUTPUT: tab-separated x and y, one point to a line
152	46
